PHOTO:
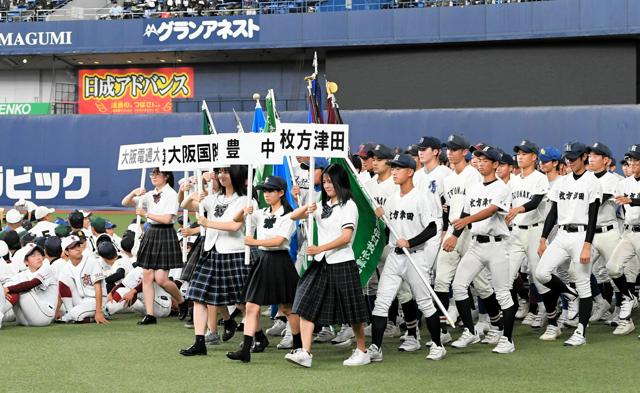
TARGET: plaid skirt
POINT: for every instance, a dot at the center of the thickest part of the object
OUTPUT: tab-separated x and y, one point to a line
331	294
160	248
219	279
272	280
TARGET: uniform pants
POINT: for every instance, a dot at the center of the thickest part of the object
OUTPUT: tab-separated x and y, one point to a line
624	259
523	246
492	256
31	311
161	304
566	247
78	307
603	246
430	254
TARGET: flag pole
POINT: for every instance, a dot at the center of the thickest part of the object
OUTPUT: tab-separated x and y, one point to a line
212	126
143	175
405	250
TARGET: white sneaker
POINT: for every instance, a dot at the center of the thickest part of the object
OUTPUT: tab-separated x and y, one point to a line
466	339
614	319
572	322
445	338
345	334
504	346
575	340
325	335
528	319
357	358
606	316
523	308
300	356
436	352
367	330
410	344
391	330
492	337
551	333
287	340
628	304
482	327
539	320
625	326
375	353
277	329
599	309
406	334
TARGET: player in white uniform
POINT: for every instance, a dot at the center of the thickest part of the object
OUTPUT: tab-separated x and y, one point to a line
127	297
44	227
14	221
485	207
32	293
575	201
366	156
114	267
623	264
407	210
82	287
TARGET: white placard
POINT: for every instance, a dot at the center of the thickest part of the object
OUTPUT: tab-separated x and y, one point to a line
145	155
309	140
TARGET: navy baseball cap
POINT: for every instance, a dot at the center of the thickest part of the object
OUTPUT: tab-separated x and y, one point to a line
457	142
600	149
319	162
489	152
429	141
573	150
412	150
549	154
477	146
272	183
527	146
634	152
382	151
107	250
402	161
505	158
365	149
53	245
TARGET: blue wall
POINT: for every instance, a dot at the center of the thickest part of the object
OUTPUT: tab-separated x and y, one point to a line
60	142
534	20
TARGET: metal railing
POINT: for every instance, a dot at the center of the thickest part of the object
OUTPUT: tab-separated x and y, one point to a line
191	8
237	104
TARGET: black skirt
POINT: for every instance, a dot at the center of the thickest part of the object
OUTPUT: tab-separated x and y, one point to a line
272	280
160	248
331	294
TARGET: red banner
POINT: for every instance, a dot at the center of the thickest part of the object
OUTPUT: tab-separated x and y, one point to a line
133	90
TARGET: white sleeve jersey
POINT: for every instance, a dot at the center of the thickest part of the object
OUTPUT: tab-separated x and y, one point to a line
133	278
409	214
607	212
85	275
432	184
523	190
46	293
43	229
270	225
380	191
479	197
630	187
573	197
455	189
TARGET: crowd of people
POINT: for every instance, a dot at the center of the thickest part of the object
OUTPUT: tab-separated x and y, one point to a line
535	234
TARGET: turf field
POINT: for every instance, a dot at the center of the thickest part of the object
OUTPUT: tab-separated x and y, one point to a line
124	357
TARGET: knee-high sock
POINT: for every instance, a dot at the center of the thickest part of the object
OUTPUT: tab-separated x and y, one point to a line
378	325
556	285
493	309
584	312
509	316
409	309
551	305
433	324
607	291
464	309
623	286
393	311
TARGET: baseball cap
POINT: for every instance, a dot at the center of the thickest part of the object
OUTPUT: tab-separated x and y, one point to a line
600	149
62	231
13	216
319	162
69	241
53	246
412	150
42	211
365	149
128	239
505	158
477	146
76	219
527	147
429	141
109	225
79	233
99	224
382	151
457	142
30	249
634	152
549	154
402	161
107	250
489	152
60	221
12	239
272	183
573	150
4	249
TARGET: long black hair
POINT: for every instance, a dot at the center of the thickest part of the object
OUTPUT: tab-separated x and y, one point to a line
340	180
169	175
238	175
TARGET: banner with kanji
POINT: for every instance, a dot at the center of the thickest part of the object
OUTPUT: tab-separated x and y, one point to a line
133	90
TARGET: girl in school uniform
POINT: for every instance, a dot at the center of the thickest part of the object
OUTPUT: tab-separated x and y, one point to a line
330	292
159	249
219	277
273	277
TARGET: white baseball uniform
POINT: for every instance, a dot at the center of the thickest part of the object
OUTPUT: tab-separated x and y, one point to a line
37	306
624	259
80	279
43	228
607	235
133	279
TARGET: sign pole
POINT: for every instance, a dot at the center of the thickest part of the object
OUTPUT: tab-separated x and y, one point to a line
247	225
185	218
143	175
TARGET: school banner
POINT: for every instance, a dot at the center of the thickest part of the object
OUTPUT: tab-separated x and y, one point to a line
25	108
133	90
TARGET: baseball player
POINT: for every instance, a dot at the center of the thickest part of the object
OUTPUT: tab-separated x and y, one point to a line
485	205
14	221
575	203
82	287
44	227
32	293
114	267
127	296
623	264
408	212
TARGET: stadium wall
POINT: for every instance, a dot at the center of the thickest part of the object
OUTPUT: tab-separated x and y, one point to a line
42	151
